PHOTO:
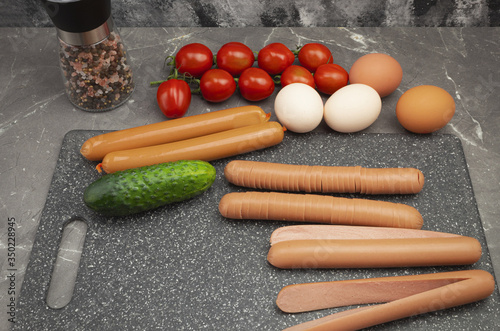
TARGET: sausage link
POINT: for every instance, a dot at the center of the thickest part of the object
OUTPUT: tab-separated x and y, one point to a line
325	179
318	209
322	295
374	253
206	148
324	231
432	292
97	147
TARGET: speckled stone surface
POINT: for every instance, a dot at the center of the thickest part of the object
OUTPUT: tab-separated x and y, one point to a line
185	267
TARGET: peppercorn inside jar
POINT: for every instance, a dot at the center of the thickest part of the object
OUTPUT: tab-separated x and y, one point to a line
97	76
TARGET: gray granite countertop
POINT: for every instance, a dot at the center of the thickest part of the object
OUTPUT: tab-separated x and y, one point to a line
35	113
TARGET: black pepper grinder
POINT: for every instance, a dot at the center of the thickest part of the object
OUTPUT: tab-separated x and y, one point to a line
94	62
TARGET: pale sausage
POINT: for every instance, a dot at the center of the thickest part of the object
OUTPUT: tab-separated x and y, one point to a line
320	231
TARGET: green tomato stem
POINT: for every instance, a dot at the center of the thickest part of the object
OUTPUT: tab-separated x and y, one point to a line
297	50
156	82
171	63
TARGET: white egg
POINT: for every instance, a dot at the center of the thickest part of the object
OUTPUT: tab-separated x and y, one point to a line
299	107
352	108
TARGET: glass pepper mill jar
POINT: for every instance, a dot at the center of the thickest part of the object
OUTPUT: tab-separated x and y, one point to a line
93	60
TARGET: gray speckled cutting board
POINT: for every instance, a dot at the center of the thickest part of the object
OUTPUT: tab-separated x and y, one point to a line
185	267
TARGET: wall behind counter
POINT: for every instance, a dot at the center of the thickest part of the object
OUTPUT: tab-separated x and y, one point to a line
273	13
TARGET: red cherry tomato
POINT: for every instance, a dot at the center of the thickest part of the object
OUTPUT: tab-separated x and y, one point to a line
255	84
313	55
174	97
297	74
330	77
274	58
217	85
194	59
234	57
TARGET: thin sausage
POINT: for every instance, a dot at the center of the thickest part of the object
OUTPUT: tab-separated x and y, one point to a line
405	296
318	209
97	147
325	179
206	148
374	253
320	232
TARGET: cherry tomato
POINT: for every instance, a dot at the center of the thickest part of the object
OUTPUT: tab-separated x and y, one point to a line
297	74
313	55
174	97
194	59
217	85
255	84
234	57
330	77
274	58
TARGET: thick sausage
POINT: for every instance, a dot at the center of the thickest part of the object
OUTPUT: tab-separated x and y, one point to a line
405	296
320	232
325	179
374	253
318	209
206	148
164	132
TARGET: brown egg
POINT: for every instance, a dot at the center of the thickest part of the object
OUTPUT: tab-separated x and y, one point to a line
425	109
380	71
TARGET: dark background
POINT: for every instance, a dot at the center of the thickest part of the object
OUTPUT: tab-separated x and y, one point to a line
276	13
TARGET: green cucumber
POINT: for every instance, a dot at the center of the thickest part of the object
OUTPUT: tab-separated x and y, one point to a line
135	190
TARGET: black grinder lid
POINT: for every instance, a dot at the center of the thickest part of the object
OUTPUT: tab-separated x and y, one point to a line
78	15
